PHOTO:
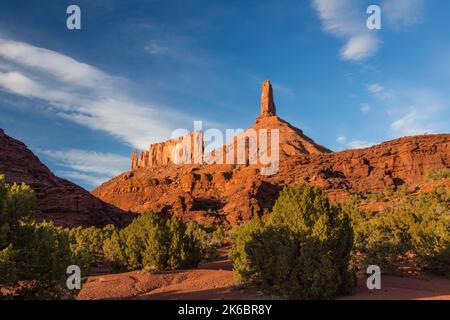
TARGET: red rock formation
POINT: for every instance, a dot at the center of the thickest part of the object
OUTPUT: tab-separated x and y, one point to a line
291	140
267	101
170	152
233	193
59	200
134	160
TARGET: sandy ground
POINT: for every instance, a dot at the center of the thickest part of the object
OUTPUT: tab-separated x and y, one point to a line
214	281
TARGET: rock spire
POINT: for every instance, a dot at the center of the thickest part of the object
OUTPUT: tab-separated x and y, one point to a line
267	104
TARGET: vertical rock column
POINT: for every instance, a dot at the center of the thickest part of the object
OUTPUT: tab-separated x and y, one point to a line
134	160
267	104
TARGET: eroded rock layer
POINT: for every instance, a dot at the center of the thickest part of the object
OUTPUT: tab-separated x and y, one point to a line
235	193
59	200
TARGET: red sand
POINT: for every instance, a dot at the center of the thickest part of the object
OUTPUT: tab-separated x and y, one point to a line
214	281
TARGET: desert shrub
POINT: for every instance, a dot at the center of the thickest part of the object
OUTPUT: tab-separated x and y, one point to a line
42	256
243	268
114	252
33	257
438	174
151	242
302	250
209	238
420	225
88	243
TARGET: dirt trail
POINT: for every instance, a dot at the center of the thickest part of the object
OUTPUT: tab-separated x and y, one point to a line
214	281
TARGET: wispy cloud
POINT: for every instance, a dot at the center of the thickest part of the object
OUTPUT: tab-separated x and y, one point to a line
364	107
155	48
402	13
179	49
414	110
418	111
353	143
83	94
89	180
379	91
375	88
88	166
346	20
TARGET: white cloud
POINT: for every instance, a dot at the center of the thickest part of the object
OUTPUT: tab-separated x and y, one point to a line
155	48
83	94
341	139
365	108
90	161
411	124
89	166
402	13
347	20
88	179
379	91
419	111
353	144
358	144
360	47
375	88
62	67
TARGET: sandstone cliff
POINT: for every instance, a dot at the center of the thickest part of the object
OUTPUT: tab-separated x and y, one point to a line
169	152
232	193
254	142
59	200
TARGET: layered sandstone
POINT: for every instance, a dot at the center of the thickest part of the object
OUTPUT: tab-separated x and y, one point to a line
233	193
267	101
184	149
59	200
245	148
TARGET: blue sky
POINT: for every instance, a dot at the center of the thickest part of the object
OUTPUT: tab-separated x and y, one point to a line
83	99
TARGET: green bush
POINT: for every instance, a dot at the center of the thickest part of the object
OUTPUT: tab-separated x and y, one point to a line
151	242
88	243
420	225
302	250
438	174
33	257
209	238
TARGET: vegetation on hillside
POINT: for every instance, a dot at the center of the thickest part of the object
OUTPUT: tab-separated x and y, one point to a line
33	257
417	226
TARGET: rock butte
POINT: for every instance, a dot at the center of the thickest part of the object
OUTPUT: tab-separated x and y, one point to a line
225	193
59	200
292	140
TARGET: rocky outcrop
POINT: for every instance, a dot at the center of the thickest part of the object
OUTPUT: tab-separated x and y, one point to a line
59	200
233	193
185	149
245	148
267	102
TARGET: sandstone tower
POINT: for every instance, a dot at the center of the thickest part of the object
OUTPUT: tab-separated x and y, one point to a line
267	104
